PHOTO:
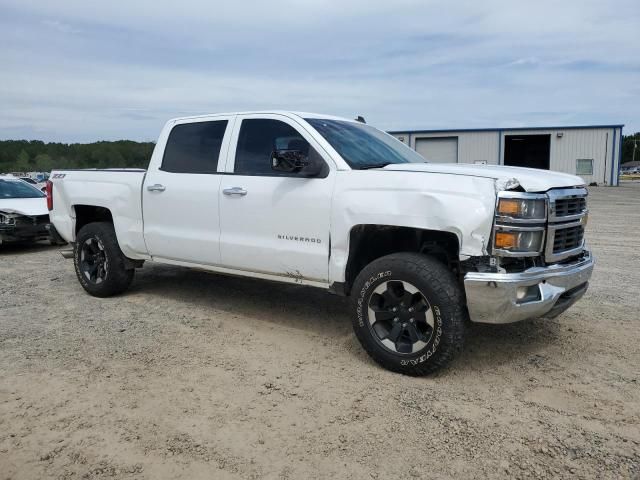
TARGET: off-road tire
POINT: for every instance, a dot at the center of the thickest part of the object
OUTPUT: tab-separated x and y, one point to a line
438	286
117	277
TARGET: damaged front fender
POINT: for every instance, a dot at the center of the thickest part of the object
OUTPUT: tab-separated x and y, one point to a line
462	205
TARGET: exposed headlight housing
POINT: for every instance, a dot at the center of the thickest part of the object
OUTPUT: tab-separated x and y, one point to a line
7	219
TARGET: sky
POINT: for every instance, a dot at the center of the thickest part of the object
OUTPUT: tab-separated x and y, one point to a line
87	70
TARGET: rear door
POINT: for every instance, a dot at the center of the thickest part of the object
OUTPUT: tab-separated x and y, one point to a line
272	222
180	197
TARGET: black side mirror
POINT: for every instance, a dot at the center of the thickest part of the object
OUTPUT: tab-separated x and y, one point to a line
294	161
288	161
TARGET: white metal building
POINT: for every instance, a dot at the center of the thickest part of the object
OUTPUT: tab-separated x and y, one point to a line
593	152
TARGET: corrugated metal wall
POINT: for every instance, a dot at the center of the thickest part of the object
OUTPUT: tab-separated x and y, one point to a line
472	146
574	144
600	144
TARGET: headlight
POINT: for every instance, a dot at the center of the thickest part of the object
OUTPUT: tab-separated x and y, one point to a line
519	229
7	219
523	241
525	209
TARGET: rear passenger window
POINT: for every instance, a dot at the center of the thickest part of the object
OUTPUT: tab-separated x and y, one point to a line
258	139
194	147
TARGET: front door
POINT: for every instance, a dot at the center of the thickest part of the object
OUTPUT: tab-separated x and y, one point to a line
272	222
180	199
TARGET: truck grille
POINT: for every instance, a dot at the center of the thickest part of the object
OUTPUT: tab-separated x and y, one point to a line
567	207
567	219
568	239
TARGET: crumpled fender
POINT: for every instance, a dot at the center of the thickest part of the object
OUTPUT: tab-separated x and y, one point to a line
459	204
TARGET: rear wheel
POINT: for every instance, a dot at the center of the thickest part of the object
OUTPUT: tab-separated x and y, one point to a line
409	313
100	264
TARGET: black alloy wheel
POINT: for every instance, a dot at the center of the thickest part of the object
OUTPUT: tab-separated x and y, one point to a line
400	317
94	264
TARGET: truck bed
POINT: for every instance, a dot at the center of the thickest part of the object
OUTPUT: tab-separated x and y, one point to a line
118	190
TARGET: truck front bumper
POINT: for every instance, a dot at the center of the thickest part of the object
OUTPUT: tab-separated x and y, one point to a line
536	292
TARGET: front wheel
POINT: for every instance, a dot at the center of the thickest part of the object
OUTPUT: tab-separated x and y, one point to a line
408	313
100	264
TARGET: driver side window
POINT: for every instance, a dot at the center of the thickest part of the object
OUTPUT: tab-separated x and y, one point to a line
258	139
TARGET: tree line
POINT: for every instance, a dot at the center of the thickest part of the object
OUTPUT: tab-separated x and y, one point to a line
627	147
35	155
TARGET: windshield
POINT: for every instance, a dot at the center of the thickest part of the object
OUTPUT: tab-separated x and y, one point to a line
363	146
18	189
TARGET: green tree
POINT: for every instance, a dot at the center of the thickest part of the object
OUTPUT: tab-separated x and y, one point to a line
22	162
628	146
23	155
43	163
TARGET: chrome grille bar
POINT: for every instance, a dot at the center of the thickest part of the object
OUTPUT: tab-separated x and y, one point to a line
567	204
567	220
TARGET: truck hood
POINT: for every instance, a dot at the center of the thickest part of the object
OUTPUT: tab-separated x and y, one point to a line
24	206
531	179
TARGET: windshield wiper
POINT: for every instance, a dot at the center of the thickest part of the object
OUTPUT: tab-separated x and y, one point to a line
374	165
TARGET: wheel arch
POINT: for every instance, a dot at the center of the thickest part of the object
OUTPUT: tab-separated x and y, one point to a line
368	242
85	214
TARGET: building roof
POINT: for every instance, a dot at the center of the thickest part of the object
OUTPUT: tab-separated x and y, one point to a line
506	129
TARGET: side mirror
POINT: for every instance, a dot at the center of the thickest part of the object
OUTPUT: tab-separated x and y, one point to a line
294	161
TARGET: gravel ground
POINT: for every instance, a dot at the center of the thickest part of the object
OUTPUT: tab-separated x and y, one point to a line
194	375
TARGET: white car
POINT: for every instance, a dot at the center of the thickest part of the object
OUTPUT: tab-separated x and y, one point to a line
24	216
337	204
42	186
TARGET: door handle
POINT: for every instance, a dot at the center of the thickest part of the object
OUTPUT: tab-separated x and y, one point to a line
156	188
241	192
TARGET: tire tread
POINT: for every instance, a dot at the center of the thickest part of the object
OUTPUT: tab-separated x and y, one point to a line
441	281
119	278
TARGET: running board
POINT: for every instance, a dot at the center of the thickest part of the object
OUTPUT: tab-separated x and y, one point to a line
67	253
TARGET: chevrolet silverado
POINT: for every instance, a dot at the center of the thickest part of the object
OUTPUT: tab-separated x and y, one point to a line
332	203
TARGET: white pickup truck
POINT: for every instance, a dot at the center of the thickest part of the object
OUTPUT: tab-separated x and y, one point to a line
323	201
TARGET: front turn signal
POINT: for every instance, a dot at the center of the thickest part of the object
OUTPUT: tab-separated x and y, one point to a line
506	240
509	206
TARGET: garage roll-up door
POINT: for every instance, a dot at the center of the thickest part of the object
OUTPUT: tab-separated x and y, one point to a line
438	150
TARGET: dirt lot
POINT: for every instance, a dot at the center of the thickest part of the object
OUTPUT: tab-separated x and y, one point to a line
194	375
